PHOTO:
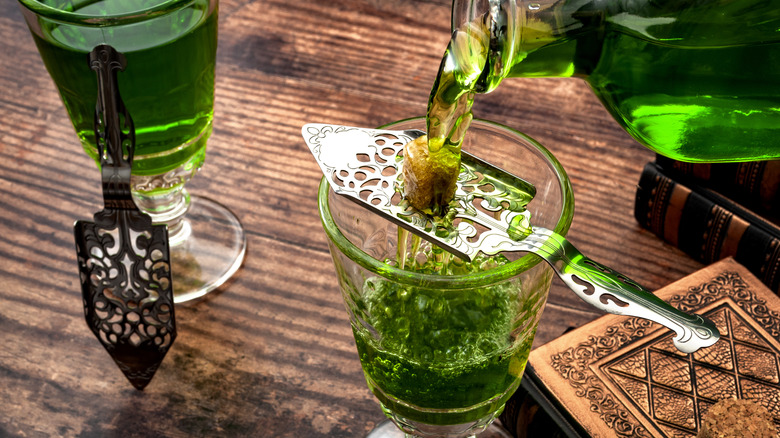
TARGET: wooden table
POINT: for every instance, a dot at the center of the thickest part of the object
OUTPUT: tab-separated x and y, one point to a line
271	353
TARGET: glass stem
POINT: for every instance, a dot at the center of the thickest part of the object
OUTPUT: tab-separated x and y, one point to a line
167	207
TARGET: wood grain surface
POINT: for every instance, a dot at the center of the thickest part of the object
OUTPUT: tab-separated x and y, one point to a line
271	353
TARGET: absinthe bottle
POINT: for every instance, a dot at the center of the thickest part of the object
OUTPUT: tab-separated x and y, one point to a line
694	80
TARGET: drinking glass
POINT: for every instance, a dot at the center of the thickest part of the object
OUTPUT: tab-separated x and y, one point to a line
443	343
168	89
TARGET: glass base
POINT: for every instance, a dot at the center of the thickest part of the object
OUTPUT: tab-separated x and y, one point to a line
388	429
209	250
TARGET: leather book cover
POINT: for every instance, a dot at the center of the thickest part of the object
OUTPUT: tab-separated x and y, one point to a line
755	184
622	376
707	226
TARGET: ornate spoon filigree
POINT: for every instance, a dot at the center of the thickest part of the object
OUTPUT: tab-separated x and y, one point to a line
487	216
123	258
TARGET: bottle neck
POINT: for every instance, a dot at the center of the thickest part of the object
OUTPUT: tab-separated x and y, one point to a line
528	38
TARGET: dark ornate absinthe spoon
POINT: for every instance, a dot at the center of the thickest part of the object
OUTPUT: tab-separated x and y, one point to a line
123	259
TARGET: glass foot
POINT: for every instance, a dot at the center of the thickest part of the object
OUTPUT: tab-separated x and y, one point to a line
388	429
209	250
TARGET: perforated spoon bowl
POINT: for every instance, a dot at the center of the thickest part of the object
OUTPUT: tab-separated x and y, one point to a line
365	165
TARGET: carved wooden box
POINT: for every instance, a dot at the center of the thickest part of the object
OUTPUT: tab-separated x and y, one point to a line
621	376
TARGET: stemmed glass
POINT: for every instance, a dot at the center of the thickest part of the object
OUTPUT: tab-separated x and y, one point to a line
443	343
168	90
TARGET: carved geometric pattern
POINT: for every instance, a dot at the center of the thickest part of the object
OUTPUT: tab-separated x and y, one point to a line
744	333
720	384
666	345
766	395
670	371
719	355
673	407
719	318
756	363
637	390
617	371
634	365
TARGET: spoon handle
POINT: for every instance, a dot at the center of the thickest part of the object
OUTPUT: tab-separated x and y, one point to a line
610	291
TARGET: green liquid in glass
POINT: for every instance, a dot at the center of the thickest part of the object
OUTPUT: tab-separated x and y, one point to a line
168	85
445	356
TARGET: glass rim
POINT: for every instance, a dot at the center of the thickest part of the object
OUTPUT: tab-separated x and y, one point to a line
90	20
490	276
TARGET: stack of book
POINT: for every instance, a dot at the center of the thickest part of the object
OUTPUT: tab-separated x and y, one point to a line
714	211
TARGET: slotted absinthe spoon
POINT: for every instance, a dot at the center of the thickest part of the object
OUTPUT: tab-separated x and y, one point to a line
365	165
124	260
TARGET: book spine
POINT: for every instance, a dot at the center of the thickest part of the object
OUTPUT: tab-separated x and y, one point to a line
706	226
755	184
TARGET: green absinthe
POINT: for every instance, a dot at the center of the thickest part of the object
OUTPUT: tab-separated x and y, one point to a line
445	356
691	80
167	87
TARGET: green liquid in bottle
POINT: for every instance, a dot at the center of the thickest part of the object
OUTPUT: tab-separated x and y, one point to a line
694	81
693	104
